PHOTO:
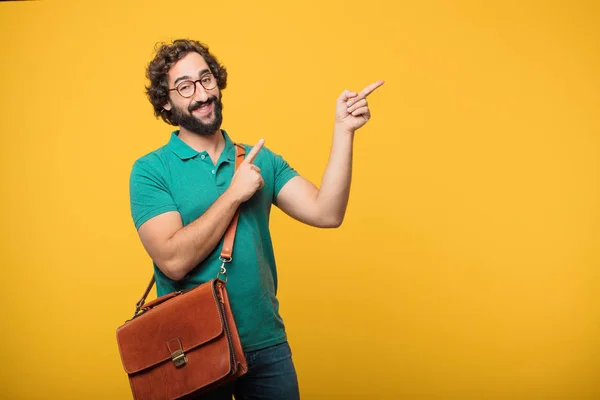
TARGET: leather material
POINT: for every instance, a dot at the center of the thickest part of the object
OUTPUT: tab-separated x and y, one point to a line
227	251
200	323
184	343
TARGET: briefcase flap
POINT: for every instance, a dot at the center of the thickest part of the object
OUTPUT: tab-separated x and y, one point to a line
185	322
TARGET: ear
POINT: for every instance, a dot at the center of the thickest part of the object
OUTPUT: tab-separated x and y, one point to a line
167	106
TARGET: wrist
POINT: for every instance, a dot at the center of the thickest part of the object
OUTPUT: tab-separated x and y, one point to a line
232	197
340	128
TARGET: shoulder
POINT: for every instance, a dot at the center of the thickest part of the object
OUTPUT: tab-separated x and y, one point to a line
154	160
152	165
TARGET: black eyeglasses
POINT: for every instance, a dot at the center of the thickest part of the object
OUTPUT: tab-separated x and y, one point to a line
187	88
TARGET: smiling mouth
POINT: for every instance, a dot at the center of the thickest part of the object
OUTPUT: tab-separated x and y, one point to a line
204	109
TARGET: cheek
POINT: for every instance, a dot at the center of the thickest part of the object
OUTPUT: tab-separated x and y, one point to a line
181	106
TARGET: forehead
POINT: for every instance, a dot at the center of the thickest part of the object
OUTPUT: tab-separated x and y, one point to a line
191	65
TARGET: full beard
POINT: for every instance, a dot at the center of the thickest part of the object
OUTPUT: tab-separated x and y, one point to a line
193	124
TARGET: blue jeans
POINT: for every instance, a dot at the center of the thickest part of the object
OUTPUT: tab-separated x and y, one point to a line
271	376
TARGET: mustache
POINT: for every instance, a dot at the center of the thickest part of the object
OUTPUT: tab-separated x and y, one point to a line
197	105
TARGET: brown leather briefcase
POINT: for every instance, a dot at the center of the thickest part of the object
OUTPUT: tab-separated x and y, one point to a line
184	342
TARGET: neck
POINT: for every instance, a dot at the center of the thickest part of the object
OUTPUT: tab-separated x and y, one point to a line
212	144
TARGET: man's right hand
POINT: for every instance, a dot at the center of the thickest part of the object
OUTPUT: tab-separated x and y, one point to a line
247	179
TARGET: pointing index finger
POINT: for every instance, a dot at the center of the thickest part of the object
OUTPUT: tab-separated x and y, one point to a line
369	89
254	151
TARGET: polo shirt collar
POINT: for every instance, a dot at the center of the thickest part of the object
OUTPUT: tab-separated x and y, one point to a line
185	152
229	149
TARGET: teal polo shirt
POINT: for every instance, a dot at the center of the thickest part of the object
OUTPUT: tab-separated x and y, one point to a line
178	178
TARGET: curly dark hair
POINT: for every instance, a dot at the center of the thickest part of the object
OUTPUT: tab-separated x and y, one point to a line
168	54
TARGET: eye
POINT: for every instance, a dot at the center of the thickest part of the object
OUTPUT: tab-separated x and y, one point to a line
207	79
185	86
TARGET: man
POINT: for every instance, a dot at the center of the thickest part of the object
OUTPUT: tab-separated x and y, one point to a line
185	194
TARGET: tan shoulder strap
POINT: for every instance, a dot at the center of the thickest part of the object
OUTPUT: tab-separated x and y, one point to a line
227	251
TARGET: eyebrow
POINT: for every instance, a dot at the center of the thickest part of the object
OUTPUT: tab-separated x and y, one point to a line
181	78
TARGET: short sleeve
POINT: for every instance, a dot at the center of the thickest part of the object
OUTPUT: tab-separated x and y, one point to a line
148	192
283	173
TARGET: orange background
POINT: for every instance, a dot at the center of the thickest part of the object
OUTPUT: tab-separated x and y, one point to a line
468	264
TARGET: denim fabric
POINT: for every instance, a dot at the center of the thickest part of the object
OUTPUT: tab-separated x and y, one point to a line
271	376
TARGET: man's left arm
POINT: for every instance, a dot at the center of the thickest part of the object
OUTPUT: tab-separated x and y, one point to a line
325	207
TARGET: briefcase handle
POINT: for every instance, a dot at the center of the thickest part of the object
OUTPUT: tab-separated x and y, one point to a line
229	238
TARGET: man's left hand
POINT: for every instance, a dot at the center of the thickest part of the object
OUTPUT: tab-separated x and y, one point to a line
352	109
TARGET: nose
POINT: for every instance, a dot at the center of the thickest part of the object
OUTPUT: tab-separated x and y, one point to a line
200	94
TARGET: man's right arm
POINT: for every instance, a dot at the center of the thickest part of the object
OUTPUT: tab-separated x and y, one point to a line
176	249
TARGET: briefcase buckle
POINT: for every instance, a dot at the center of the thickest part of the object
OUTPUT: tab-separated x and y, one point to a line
178	356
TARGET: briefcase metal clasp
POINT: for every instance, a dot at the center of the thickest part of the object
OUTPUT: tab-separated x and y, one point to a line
178	356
